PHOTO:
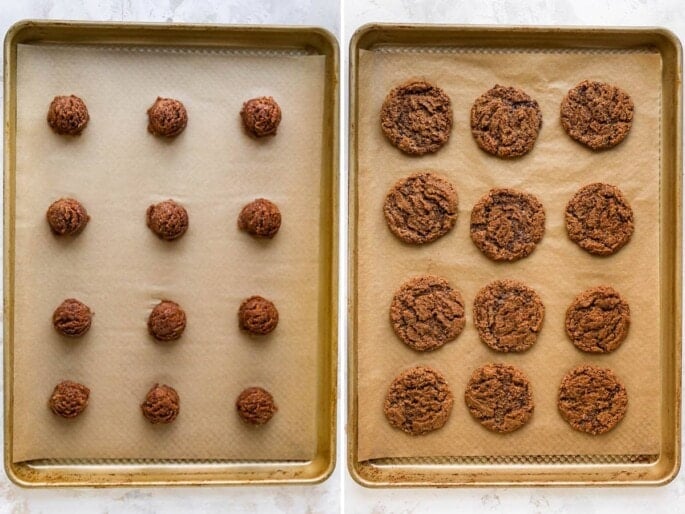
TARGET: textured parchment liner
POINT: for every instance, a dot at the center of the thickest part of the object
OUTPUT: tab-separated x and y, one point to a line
557	269
121	270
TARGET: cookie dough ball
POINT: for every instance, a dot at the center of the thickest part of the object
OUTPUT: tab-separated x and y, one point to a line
257	315
255	406
167	321
161	404
261	116
72	318
598	319
69	399
167	219
68	115
167	117
67	217
260	218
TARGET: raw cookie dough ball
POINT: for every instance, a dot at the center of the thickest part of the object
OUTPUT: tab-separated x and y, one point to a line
69	399
67	217
168	117
255	406
260	218
167	321
167	219
257	315
72	318
68	115
261	116
161	404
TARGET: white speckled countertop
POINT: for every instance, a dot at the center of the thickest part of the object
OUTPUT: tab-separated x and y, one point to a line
340	493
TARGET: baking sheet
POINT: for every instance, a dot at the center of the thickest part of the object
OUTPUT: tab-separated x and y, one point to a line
558	269
121	270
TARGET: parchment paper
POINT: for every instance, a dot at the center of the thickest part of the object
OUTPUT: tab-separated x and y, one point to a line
558	269
121	270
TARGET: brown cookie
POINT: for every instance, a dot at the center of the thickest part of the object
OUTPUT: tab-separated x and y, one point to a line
426	313
598	319
261	116
72	318
255	406
418	401
67	217
499	396
68	115
592	399
260	218
417	117
167	321
161	404
508	315
599	219
505	121
421	208
257	315
167	117
506	224
167	219
597	114
69	399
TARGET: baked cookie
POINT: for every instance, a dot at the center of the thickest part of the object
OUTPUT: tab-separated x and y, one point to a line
261	116
418	401
592	399
597	114
421	208
417	117
161	404
499	396
260	218
257	315
72	318
599	219
68	115
506	224
598	319
67	217
167	117
69	399
505	121
167	321
508	315
255	406
426	313
167	219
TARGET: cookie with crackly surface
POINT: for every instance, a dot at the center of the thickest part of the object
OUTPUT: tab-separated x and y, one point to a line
598	319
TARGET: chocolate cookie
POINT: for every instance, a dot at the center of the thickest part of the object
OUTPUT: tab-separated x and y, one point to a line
417	117
508	315
261	116
599	219
167	117
257	315
260	218
505	121
68	115
167	321
597	114
161	404
72	318
67	217
418	401
592	399
506	224
597	321
69	399
167	219
426	313
421	208
499	396
255	406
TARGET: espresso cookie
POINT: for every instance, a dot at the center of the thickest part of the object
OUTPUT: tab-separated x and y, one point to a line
597	114
418	401
592	399
426	313
161	404
598	319
261	116
167	219
506	224
167	117
421	208
499	396
417	117
257	315
72	318
255	406
508	315
167	321
599	219
69	399
68	115
67	217
260	218
505	121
